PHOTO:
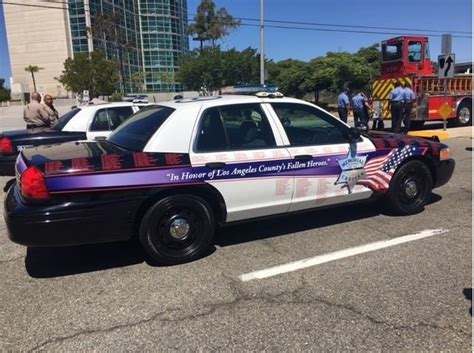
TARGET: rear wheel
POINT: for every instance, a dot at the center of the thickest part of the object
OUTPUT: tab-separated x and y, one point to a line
410	188
177	229
463	114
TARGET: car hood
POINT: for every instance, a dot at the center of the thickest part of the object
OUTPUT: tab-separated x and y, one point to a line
384	140
72	158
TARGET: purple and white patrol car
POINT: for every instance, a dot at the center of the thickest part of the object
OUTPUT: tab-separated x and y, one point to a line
173	172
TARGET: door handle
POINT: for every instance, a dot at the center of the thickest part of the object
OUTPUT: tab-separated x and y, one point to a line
215	165
303	157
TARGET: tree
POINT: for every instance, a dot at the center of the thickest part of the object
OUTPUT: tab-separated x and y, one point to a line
336	71
105	28
290	76
372	56
167	80
4	93
213	68
90	71
211	24
138	79
32	69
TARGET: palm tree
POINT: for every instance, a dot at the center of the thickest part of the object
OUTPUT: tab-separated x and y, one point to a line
32	70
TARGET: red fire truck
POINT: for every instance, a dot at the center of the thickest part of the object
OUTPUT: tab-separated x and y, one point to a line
407	59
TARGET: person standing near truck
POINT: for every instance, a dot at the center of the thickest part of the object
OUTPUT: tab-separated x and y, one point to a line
360	107
343	104
408	99
396	107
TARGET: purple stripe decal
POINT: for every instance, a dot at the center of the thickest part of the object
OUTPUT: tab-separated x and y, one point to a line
317	166
20	164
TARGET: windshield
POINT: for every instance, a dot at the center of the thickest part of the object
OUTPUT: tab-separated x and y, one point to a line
135	132
65	119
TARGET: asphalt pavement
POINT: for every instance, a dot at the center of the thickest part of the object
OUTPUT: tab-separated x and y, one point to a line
409	297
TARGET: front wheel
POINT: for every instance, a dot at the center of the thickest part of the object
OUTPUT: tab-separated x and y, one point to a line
410	188
177	229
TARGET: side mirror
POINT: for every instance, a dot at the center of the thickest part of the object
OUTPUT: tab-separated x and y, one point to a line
353	135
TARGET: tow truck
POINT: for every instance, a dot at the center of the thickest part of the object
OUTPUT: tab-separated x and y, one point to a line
407	59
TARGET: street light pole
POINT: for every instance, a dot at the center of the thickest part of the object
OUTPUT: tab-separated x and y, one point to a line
262	55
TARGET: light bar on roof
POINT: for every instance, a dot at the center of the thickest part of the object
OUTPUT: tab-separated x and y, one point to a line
249	89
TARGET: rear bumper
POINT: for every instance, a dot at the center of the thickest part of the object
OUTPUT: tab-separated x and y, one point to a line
444	170
68	223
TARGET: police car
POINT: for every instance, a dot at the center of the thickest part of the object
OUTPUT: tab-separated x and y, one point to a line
174	172
81	123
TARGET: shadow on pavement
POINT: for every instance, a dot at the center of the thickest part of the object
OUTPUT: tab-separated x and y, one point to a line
287	224
64	261
468	295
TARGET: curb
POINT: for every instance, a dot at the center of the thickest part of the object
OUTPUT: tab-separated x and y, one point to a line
444	135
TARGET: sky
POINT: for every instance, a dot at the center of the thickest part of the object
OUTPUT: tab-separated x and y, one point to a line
442	16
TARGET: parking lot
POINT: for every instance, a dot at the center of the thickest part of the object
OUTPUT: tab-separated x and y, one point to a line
411	296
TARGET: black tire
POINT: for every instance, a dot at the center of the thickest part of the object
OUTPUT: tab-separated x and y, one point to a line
417	124
410	188
177	229
464	114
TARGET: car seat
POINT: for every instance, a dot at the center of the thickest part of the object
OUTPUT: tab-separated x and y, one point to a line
248	132
212	136
114	119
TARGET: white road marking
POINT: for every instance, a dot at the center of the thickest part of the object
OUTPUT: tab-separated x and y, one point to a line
337	255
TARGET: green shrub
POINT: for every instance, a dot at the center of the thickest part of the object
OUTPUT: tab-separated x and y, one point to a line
4	95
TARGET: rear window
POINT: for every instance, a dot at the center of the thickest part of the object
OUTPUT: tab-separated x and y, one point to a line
65	119
135	132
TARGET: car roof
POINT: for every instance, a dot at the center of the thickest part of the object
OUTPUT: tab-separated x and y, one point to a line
211	101
106	105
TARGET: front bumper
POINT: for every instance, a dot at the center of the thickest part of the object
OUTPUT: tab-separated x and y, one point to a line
443	172
69	223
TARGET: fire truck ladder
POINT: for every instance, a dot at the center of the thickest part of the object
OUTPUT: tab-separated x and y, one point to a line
456	86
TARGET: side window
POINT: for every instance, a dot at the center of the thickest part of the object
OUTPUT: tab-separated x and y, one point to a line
308	126
117	115
211	135
414	52
234	127
100	121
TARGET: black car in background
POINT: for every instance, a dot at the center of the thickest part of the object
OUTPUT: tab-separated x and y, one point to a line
82	123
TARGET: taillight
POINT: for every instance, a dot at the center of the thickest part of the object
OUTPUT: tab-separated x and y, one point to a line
33	184
6	145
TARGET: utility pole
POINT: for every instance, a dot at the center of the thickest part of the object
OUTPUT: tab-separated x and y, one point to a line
262	55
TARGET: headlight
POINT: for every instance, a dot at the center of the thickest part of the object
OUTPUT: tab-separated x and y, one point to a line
444	154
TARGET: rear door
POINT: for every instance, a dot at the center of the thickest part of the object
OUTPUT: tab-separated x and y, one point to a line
318	144
242	156
106	120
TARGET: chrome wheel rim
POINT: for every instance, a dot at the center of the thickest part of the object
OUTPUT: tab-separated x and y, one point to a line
464	115
411	189
179	228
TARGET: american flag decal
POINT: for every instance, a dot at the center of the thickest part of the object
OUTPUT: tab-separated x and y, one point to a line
379	170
